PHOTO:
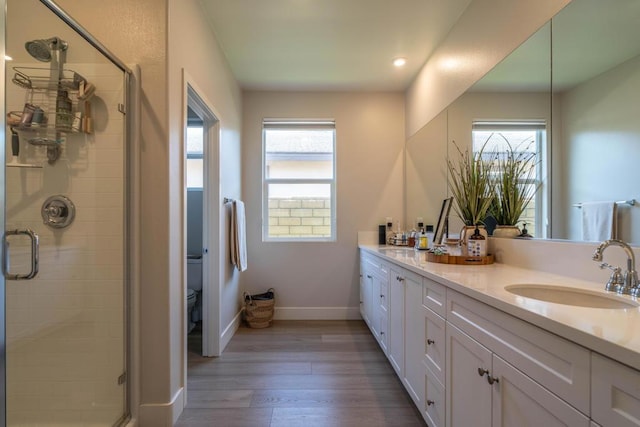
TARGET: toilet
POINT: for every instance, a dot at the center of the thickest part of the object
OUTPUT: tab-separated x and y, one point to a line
194	287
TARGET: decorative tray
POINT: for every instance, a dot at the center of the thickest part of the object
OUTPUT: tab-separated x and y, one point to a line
460	260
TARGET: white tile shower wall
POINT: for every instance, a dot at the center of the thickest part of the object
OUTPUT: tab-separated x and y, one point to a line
65	328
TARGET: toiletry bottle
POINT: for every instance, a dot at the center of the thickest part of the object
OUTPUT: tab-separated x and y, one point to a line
430	236
477	244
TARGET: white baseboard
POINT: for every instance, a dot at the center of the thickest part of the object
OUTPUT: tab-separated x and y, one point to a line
162	414
317	313
229	331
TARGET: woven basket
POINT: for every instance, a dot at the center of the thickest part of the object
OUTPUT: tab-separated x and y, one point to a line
259	308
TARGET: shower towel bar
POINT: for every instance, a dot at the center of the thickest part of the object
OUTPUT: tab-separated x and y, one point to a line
631	202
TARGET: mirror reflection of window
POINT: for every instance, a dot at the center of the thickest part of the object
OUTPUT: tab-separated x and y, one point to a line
195	156
526	140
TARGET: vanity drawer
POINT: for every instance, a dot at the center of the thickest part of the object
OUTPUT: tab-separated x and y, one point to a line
552	361
434	343
615	393
434	296
434	402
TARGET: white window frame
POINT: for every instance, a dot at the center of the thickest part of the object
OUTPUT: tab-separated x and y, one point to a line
324	124
197	156
542	195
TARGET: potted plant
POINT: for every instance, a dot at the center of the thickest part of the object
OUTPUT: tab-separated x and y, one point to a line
514	186
470	183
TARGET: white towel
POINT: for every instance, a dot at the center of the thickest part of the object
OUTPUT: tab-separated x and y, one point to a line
238	237
598	221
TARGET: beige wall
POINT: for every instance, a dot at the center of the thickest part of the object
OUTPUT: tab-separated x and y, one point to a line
369	144
486	33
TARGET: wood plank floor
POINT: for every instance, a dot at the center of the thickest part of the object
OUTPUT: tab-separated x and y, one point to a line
297	373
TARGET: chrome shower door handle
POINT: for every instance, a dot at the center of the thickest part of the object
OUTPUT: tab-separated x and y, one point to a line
35	249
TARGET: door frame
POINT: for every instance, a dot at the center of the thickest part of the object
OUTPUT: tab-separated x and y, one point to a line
213	206
3	359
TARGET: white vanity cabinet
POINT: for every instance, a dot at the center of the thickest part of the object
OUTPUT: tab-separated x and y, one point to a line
615	393
465	363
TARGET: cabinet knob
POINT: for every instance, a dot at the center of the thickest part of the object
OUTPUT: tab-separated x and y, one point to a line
482	372
430	341
369	276
492	380
381	332
381	295
430	402
399	278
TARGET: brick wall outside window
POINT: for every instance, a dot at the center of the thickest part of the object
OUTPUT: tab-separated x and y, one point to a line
299	217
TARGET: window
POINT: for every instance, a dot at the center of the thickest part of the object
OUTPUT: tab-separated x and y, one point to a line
195	157
524	138
299	183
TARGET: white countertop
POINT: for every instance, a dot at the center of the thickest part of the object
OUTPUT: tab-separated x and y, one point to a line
614	333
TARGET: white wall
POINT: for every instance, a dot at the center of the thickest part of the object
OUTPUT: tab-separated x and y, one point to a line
486	33
321	279
598	121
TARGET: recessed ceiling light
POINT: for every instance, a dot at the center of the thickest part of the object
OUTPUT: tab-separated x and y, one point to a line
399	62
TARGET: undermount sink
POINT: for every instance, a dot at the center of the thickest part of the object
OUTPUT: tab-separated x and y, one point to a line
571	296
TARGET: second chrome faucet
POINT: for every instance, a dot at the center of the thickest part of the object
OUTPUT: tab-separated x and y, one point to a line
627	284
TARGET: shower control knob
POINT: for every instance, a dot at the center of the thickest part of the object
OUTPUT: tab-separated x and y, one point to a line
58	211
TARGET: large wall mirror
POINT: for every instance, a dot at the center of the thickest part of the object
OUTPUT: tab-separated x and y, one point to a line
573	91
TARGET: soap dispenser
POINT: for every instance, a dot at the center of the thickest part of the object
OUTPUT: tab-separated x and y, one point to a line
477	244
422	242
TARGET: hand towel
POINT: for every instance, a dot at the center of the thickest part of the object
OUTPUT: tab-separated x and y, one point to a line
598	221
238	239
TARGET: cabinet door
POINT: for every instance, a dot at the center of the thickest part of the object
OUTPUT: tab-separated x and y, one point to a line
468	393
433	343
520	401
414	369
363	292
615	393
367	298
383	331
375	308
396	319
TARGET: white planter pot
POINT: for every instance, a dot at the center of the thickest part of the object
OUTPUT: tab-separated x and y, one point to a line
506	231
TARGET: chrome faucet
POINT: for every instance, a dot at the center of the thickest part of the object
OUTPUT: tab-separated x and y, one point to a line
629	284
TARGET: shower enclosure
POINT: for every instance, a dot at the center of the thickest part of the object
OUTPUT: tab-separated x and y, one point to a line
65	209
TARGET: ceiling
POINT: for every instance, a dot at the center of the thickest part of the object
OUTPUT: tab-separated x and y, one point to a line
329	44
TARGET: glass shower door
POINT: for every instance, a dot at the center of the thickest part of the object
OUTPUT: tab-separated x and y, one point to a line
65	218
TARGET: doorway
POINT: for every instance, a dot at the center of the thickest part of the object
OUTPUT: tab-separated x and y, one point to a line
202	222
